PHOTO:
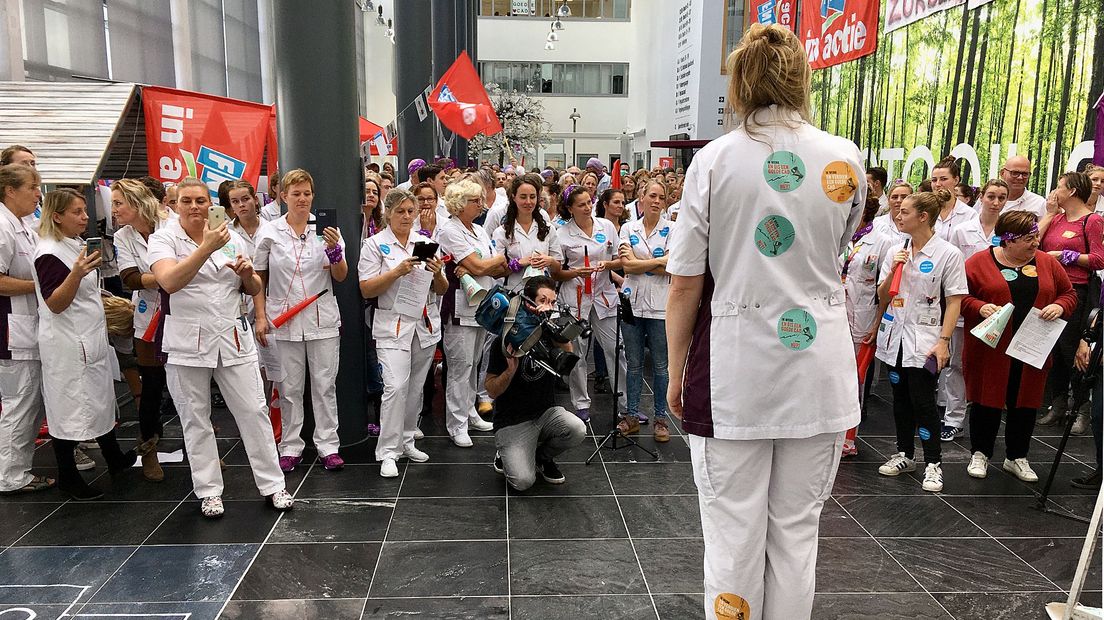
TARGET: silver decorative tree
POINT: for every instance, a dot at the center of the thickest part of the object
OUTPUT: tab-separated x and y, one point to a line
523	127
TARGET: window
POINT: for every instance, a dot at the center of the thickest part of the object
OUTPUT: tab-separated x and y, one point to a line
546	9
588	79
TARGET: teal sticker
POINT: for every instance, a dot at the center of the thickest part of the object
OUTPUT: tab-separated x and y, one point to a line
927	266
386	249
229	251
784	171
633	240
1009	274
995	241
797	329
600	238
774	235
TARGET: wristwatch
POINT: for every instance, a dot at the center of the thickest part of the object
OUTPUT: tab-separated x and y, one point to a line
947	338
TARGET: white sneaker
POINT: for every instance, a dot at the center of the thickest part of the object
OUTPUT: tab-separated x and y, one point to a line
480	424
933	478
899	464
979	466
84	462
1021	469
281	500
211	507
388	468
418	434
462	440
415	455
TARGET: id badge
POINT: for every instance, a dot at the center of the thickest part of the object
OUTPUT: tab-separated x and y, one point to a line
928	317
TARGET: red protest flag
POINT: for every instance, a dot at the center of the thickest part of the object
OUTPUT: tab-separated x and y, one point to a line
461	103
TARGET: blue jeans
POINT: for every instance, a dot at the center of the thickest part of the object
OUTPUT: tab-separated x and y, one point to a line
655	331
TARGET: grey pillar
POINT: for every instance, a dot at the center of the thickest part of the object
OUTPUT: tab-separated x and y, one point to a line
315	53
452	25
413	72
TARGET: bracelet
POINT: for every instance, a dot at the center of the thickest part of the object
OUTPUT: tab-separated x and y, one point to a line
425	232
514	265
947	338
335	254
1069	257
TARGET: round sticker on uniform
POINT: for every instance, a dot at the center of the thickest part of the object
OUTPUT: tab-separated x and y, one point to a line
141	305
797	329
1030	271
626	290
784	171
600	238
386	249
1010	274
666	230
774	235
839	181
995	241
729	606
927	266
924	433
229	251
894	378
633	240
658	252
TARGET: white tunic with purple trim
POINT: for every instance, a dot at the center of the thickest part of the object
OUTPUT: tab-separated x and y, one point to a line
765	218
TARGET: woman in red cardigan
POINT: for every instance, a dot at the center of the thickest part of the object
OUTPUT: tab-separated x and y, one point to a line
1016	272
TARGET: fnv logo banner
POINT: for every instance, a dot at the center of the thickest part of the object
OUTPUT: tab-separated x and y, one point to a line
212	138
837	31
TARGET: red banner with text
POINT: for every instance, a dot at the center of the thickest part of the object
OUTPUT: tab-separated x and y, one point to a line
838	31
781	12
212	138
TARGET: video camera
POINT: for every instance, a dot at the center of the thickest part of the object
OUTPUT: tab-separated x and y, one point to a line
509	315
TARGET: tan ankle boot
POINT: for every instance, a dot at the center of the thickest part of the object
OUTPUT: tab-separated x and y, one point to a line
151	467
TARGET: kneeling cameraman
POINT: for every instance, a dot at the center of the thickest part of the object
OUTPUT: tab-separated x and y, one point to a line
529	429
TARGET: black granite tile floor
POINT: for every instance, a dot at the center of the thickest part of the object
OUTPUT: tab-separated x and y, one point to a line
447	539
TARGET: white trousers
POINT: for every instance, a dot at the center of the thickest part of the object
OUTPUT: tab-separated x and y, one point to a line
952	385
480	382
463	345
21	395
320	358
403	374
605	330
760	509
241	389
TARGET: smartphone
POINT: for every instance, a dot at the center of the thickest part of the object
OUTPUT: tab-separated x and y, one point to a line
323	219
932	365
425	251
92	245
216	215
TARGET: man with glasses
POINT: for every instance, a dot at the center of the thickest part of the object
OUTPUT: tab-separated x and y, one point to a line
1016	172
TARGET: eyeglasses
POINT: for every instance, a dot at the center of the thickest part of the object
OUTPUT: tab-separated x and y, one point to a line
1018	174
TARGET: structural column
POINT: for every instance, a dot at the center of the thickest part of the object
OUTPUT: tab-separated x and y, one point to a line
316	103
413	72
453	32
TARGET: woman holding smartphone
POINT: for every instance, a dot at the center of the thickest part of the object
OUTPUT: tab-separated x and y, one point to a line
296	261
914	336
405	342
72	336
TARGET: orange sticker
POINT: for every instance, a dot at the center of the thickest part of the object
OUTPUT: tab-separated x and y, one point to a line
728	606
898	302
1069	234
1030	271
839	181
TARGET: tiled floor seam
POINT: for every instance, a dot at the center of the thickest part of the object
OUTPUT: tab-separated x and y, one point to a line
379	558
895	560
625	522
260	547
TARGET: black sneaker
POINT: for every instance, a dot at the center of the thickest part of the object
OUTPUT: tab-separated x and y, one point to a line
498	465
1092	481
550	472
